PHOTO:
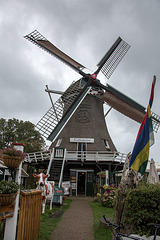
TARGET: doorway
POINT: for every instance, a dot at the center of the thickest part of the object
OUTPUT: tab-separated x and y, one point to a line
81	183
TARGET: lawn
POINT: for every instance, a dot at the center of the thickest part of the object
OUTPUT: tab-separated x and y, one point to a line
50	219
98	212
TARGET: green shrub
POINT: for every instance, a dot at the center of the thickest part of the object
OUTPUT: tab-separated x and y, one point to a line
143	207
8	187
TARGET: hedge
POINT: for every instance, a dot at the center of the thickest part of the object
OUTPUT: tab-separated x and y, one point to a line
143	207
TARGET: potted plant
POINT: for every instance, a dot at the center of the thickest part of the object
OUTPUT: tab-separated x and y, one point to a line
8	192
12	157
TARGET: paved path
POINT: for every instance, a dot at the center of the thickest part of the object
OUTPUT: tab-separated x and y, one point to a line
77	222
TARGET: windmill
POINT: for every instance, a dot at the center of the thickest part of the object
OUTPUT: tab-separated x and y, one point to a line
56	118
63	110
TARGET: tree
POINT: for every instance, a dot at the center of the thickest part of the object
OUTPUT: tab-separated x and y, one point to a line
129	180
18	131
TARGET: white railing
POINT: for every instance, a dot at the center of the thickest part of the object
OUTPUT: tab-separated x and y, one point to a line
96	156
38	156
89	156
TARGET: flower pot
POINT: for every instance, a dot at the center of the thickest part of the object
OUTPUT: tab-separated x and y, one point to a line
7	199
11	161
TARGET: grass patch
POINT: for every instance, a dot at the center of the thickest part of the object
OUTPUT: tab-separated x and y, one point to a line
48	223
2	225
98	211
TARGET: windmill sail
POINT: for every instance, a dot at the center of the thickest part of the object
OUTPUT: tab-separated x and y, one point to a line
127	106
107	64
59	114
112	58
39	40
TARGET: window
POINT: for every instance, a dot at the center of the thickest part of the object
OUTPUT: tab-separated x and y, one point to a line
59	142
81	151
82	147
89	177
106	144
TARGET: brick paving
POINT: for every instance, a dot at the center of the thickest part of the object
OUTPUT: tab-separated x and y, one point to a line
77	222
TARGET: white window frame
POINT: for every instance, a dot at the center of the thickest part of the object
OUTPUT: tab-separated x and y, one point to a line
59	141
106	144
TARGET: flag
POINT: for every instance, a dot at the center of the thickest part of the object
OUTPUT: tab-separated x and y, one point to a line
145	139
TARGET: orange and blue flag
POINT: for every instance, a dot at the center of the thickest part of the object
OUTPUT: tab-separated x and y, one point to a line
144	140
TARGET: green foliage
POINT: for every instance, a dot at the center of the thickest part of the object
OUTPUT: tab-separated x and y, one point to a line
8	187
14	130
143	207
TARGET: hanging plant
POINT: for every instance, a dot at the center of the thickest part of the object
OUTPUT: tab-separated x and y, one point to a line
8	192
12	157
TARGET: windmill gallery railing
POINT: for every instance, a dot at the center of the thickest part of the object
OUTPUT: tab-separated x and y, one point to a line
78	156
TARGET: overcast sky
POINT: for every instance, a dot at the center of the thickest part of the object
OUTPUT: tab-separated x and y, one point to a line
85	30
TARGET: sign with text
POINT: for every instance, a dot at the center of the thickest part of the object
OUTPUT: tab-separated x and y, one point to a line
82	140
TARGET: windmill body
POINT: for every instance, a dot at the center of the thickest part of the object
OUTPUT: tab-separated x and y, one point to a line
87	122
76	122
89	146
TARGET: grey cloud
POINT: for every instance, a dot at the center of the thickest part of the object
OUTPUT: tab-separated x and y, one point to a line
85	30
